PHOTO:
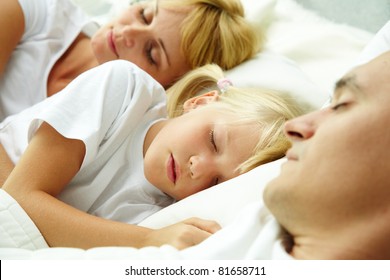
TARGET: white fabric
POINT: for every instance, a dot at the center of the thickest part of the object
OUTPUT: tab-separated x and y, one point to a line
254	235
221	203
16	228
379	44
323	50
110	109
271	70
50	28
258	12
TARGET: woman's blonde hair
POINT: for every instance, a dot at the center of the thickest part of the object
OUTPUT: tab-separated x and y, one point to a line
215	31
267	108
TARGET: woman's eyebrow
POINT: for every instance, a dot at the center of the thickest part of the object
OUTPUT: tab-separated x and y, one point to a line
164	51
161	43
156	8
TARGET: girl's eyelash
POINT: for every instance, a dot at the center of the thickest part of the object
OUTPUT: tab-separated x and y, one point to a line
212	140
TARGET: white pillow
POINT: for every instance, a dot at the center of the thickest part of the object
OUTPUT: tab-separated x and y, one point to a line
273	71
220	203
259	12
323	49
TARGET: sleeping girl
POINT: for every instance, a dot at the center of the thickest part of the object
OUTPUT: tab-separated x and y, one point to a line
103	154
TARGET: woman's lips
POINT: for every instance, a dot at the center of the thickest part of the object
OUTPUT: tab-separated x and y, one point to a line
111	42
171	169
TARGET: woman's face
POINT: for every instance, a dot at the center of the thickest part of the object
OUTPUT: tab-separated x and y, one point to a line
147	35
337	172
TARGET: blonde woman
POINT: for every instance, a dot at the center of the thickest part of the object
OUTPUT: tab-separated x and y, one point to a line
47	43
102	155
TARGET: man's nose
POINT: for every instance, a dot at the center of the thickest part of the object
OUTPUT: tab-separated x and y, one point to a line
303	127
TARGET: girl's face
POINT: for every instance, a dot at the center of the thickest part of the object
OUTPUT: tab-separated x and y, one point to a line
147	35
198	150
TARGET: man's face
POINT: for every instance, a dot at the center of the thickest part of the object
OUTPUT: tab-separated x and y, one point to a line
338	169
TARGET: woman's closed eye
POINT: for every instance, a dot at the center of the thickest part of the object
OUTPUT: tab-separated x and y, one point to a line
149	52
144	16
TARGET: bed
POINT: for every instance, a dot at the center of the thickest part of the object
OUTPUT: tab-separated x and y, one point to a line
305	54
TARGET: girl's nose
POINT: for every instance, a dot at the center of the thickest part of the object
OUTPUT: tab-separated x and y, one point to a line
200	167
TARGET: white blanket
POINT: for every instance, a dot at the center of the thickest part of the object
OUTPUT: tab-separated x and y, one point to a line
16	228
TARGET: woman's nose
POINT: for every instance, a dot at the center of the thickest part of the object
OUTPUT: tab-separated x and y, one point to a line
132	34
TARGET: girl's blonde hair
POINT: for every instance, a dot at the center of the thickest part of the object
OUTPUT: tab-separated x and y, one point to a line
268	108
215	31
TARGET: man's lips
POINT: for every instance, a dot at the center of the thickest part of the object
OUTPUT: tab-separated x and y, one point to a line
111	42
171	169
291	155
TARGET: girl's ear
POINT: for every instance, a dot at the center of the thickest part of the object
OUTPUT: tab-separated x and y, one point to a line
200	100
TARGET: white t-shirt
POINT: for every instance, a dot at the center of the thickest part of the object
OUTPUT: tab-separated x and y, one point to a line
51	26
110	109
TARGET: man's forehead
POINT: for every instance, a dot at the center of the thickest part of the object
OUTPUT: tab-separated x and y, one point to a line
374	73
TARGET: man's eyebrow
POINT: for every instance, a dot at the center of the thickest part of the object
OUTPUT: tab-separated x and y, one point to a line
347	82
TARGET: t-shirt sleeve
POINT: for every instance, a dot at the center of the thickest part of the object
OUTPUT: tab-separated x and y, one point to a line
97	104
35	14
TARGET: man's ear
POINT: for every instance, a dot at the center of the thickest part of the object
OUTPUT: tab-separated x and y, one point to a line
200	100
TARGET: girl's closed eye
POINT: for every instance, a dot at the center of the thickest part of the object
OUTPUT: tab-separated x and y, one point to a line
215	180
212	140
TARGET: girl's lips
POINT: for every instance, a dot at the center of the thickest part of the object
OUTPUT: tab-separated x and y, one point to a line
111	42
171	169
